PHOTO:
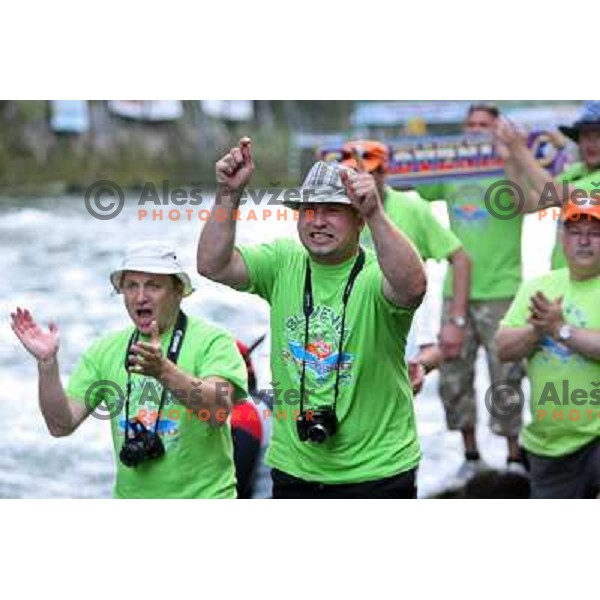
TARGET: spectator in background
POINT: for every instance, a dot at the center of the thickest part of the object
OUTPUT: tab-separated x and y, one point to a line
541	190
554	322
494	247
414	217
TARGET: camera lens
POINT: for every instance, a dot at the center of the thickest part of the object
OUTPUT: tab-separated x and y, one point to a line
132	454
317	434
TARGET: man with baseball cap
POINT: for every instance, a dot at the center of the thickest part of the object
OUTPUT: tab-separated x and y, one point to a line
414	217
345	425
169	381
554	322
540	189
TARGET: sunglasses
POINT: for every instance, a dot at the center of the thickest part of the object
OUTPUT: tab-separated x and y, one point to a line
360	153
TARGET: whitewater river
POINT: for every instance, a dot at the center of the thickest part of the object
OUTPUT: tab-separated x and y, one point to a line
55	260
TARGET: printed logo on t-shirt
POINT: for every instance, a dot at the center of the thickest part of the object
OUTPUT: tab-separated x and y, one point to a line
470	213
467	205
145	402
321	353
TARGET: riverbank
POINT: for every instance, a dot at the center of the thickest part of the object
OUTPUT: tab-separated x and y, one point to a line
36	162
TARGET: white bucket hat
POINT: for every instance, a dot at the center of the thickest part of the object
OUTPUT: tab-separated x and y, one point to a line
152	257
323	184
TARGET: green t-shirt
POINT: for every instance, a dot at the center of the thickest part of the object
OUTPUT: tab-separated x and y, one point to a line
198	460
493	244
414	217
377	435
556	372
584	179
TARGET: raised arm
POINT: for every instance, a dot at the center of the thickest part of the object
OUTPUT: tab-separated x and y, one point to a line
217	257
539	187
405	281
62	415
506	139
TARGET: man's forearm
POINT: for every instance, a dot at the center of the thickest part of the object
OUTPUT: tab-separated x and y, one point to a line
197	394
217	239
513	170
539	181
514	344
585	342
461	281
54	403
400	263
430	357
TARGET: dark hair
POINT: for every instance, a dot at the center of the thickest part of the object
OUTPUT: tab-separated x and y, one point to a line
490	109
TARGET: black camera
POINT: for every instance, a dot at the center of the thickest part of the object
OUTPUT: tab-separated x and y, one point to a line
317	425
143	445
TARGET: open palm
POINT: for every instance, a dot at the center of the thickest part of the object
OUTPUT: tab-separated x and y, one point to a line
42	344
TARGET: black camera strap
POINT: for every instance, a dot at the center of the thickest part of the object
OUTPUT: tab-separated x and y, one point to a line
308	308
172	354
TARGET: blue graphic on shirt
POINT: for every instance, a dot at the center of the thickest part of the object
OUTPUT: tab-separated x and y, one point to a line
554	350
470	213
165	426
320	358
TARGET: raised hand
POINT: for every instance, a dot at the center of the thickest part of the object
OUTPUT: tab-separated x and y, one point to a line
43	345
362	190
235	169
506	137
148	358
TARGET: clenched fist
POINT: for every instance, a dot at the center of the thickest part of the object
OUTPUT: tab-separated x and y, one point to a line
362	191
235	169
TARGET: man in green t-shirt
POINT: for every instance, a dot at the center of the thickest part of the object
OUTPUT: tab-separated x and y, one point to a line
554	322
343	417
414	217
168	381
494	247
540	190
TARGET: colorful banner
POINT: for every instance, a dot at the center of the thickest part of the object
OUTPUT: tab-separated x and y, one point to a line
394	113
423	160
